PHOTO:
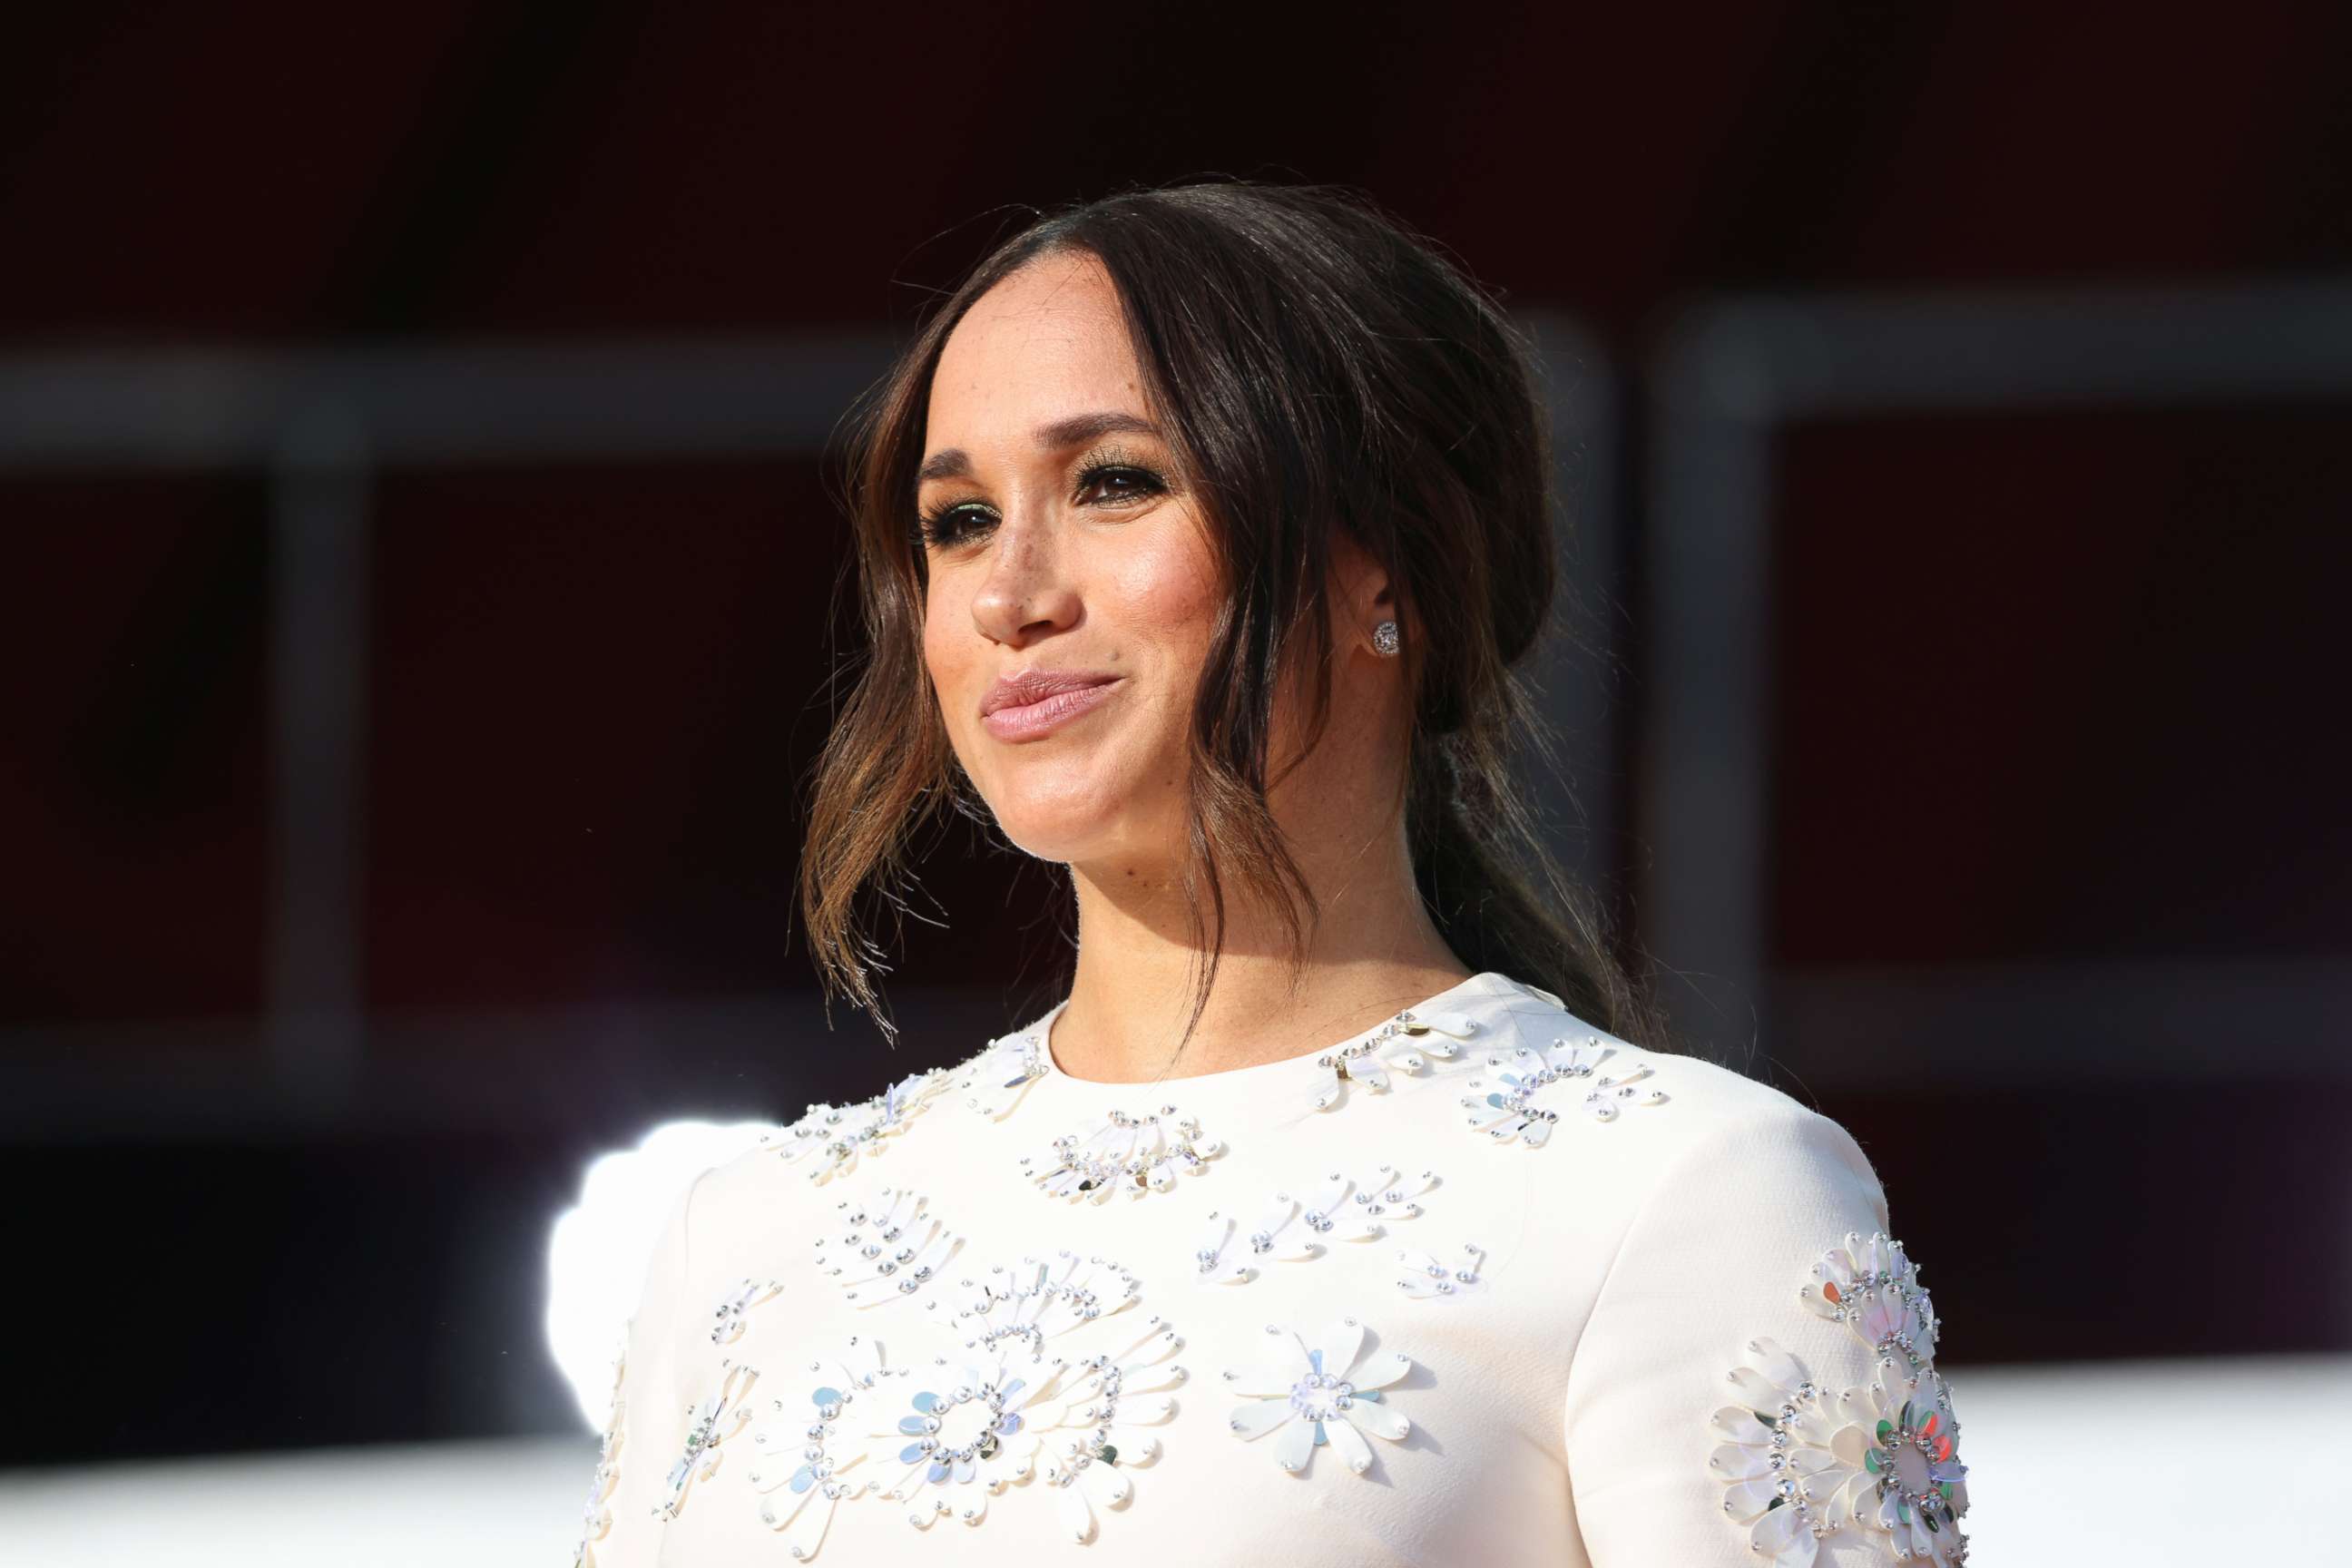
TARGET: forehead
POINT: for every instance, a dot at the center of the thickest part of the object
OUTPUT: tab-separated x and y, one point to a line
1045	342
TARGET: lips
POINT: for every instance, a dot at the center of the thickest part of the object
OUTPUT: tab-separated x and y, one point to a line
1030	707
1034	686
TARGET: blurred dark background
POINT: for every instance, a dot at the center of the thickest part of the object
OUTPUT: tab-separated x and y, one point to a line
418	606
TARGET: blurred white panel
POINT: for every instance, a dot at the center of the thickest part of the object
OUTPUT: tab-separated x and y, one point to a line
453	1505
597	1253
2069	1465
2116	1462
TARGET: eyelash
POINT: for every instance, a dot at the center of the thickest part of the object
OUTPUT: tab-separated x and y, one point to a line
939	525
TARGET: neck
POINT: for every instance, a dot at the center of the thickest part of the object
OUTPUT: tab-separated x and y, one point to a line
1375	952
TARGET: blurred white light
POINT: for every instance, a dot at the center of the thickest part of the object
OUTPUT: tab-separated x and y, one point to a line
598	1252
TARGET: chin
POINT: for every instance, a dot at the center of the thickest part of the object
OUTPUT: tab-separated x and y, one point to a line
1063	836
1066	821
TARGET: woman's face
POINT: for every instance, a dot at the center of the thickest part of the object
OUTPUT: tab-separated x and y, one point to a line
1062	544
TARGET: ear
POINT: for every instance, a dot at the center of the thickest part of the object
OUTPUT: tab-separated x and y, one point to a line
1361	595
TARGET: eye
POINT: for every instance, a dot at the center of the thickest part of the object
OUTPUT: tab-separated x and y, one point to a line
1117	484
953	523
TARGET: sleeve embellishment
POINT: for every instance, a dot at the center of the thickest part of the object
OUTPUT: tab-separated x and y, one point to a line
715	1419
1516	1104
596	1519
1319	1393
1801	1462
1137	1156
1287	1230
1399	1044
1872	1289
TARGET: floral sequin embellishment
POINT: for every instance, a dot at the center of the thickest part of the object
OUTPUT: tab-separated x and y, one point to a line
837	1137
1319	1393
1513	1104
1125	1154
887	1248
1039	1299
999	1408
597	1518
1427	1278
712	1422
795	1467
1403	1044
1291	1231
730	1316
1918	1488
1801	1462
999	1077
1874	1289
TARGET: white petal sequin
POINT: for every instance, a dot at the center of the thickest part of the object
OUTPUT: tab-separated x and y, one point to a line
1290	1229
730	1317
1514	1098
1254	1421
833	1139
1310	1388
1124	1153
719	1417
996	1081
1425	1277
884	1248
799	1467
1873	1287
1402	1045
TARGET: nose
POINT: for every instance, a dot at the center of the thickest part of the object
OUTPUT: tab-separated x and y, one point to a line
1026	594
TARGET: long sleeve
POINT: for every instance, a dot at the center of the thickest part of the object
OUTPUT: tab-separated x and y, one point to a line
1755	1383
650	1415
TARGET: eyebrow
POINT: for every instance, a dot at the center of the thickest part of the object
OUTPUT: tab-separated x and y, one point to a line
954	463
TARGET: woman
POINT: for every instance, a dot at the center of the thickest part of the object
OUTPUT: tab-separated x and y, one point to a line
1332	1212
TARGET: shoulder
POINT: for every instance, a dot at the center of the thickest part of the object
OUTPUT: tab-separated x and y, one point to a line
1655	1121
1758	1350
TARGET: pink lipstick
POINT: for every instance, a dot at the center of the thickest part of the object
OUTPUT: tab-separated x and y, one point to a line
1032	705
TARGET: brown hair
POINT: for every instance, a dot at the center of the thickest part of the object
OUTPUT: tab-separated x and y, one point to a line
1315	364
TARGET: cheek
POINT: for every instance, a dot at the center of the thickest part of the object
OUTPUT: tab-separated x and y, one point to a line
1167	594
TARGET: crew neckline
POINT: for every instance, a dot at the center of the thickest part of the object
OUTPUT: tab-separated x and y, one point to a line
1484	987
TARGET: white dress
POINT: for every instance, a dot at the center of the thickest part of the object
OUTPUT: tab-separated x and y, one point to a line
1481	1285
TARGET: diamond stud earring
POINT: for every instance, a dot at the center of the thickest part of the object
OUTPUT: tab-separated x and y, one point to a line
1384	639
